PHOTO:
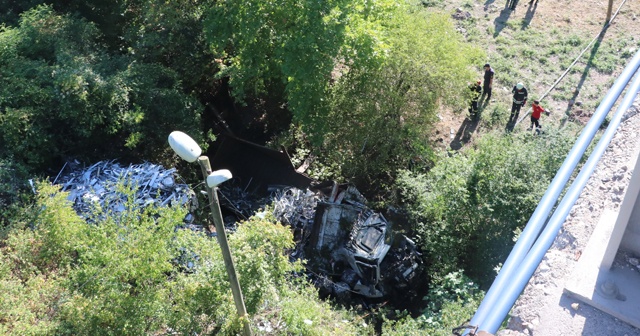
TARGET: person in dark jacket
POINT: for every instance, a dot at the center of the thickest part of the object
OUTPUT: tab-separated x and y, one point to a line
488	82
475	95
519	99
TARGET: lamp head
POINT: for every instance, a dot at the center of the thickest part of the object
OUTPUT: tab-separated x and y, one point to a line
184	146
218	177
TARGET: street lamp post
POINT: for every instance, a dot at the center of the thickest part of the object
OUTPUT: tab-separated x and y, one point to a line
189	150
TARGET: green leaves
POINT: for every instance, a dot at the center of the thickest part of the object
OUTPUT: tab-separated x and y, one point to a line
281	43
469	205
377	115
126	273
64	93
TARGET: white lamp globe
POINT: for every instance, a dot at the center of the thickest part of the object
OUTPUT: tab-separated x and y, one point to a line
218	177
184	146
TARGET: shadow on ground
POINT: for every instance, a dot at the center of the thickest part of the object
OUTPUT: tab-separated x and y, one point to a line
501	21
486	4
466	130
531	10
585	73
512	123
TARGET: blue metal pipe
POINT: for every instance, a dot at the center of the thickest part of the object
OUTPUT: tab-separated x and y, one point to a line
534	257
541	213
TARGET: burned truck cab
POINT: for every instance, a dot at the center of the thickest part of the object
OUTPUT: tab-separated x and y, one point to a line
360	239
367	247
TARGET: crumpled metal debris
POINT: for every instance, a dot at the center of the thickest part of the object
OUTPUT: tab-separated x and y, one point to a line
237	200
355	248
93	191
296	207
349	248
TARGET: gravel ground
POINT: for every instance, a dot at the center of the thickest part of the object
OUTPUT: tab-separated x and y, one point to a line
543	309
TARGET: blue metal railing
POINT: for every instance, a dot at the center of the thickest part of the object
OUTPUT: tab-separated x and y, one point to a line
529	249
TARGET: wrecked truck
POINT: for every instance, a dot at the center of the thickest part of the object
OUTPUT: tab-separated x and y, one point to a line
349	248
357	247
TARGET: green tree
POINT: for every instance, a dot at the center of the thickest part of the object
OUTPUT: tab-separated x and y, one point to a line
171	34
287	46
67	96
363	79
381	114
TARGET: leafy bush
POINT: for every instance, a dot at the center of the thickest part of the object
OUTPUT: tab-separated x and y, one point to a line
495	115
127	273
65	95
350	70
300	312
380	114
451	301
468	206
26	302
453	288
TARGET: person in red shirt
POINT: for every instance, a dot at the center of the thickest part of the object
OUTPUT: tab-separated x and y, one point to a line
535	114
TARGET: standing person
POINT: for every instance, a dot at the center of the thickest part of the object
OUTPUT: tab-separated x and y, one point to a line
519	98
475	95
488	81
535	114
513	4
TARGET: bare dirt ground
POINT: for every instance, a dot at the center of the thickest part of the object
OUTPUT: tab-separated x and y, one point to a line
494	27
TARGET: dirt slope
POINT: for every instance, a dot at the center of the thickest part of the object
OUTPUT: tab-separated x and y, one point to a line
535	44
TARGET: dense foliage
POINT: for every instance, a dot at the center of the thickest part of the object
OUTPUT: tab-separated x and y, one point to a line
452	300
60	89
363	79
381	114
13	186
471	205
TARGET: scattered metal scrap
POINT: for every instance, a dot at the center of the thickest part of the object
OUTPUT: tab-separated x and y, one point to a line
94	191
296	208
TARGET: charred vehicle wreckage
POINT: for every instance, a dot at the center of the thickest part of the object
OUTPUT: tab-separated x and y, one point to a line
351	251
